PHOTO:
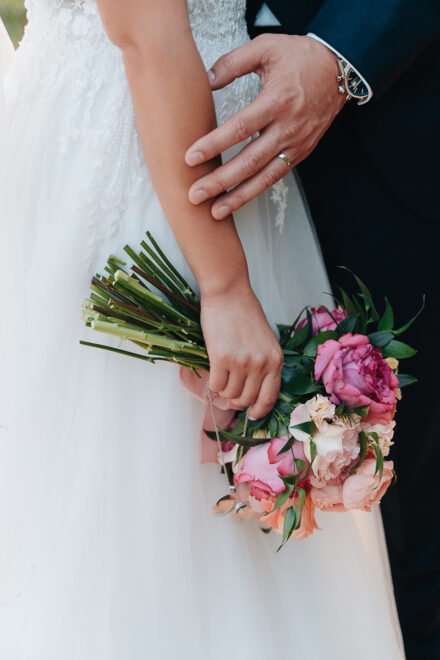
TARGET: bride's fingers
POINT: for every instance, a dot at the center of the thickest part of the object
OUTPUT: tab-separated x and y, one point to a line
247	163
234	385
250	392
218	377
243	125
267	396
275	170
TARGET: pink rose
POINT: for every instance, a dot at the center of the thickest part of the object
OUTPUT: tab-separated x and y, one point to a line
354	371
328	498
284	462
362	490
322	321
262	467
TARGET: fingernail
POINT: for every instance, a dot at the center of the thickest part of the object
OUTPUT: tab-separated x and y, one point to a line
200	196
252	419
222	211
211	75
194	158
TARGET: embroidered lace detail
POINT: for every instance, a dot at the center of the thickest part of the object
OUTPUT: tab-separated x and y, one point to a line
75	57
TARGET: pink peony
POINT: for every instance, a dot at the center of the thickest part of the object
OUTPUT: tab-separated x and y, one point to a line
354	371
322	321
328	498
362	490
261	468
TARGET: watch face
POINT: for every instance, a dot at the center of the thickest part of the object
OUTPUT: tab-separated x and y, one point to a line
355	85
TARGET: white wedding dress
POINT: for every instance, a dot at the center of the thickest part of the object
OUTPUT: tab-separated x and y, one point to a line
108	546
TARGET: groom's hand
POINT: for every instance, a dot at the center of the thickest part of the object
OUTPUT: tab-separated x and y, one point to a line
297	104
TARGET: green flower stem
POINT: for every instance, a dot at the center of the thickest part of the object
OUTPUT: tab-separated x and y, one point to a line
147	338
169	294
187	289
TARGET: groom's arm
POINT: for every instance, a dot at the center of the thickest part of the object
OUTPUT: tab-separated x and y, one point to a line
299	97
381	39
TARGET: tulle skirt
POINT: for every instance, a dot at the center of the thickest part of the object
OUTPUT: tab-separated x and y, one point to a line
108	545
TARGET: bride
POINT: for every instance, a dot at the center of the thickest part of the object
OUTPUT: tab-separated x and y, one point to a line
108	545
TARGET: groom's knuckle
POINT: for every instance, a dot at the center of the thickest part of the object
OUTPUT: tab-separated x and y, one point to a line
290	132
220	184
252	162
242	128
285	99
270	178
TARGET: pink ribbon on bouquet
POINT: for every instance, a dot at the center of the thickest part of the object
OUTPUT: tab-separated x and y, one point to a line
222	408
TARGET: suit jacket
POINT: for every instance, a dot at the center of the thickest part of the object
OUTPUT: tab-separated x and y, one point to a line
395	44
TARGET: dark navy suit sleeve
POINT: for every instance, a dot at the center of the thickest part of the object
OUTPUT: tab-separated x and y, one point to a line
381	38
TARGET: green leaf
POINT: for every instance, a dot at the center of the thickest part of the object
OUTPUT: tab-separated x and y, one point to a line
406	379
341	409
379	461
238	439
301	497
311	348
364	290
289	523
307	427
297	376
287	446
273	424
283	496
348	304
411	321
362	411
398	350
363	441
381	338
300	465
313	451
348	324
298	338
387	320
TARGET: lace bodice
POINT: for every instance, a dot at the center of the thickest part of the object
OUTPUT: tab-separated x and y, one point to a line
65	50
217	25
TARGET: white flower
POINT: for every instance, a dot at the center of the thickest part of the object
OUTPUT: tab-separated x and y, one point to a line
385	433
336	441
321	411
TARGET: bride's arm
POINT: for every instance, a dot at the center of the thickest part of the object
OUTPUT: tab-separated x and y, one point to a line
173	106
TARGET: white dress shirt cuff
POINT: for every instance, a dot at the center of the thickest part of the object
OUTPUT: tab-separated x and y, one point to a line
370	91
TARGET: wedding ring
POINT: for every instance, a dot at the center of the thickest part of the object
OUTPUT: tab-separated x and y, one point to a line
224	505
286	160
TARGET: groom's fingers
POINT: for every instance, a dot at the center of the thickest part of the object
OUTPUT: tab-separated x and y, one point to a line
247	163
243	125
244	59
275	170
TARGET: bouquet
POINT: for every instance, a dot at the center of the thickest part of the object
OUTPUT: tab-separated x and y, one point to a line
325	444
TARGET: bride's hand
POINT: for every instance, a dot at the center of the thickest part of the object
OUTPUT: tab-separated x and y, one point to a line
245	356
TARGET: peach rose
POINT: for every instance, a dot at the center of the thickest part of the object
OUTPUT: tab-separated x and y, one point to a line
328	498
275	519
362	490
